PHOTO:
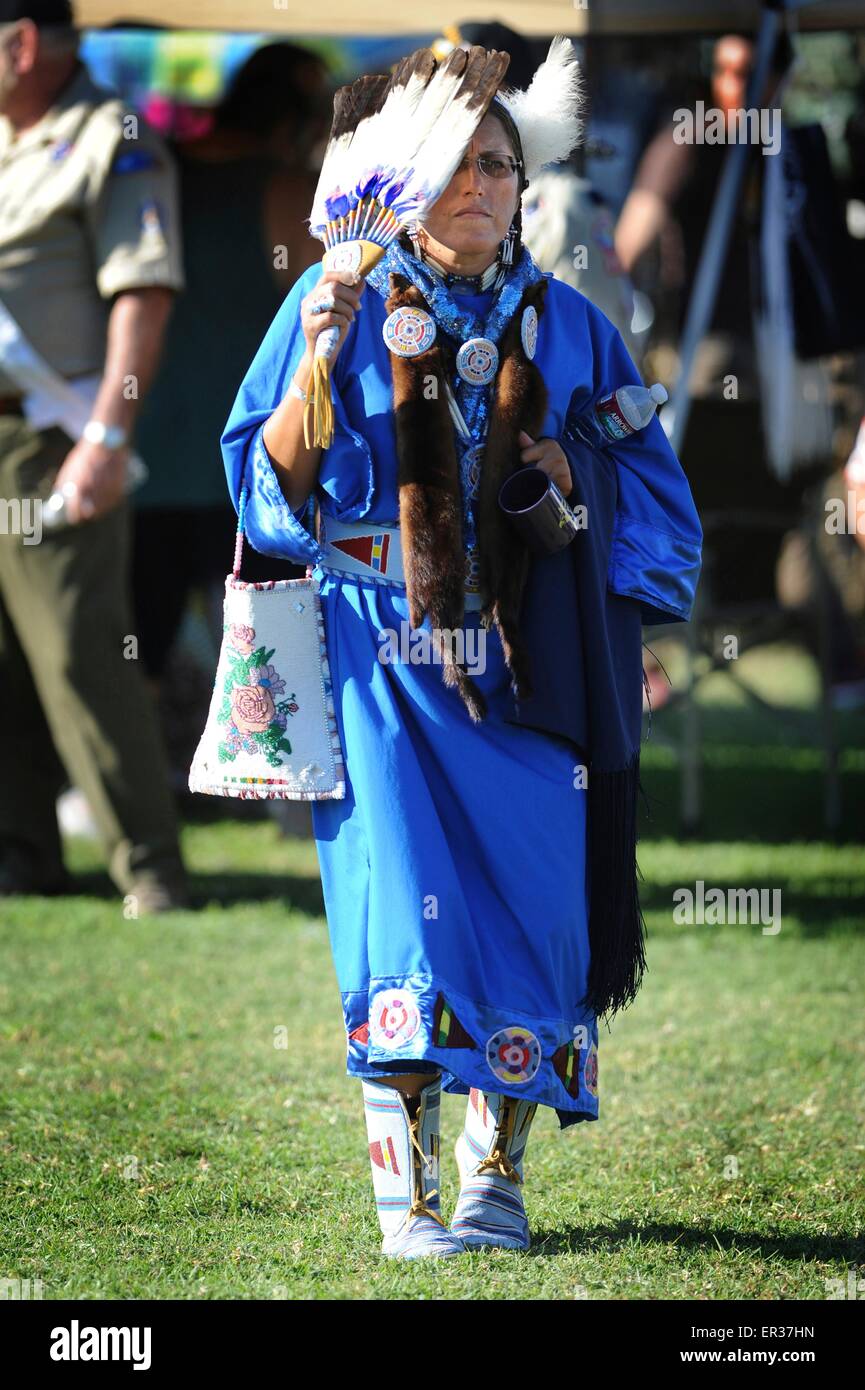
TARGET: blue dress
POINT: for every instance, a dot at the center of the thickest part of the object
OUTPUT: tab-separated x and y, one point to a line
454	872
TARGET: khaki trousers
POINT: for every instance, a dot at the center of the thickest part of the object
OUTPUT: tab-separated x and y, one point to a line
70	683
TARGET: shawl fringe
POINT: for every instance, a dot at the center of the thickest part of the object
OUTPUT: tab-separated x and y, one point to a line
617	928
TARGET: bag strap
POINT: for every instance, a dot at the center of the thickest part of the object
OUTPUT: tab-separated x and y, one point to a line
238	539
241	519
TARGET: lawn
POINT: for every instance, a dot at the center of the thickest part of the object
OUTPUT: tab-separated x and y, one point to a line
176	1121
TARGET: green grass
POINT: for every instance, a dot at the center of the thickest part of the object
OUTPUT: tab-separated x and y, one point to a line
156	1143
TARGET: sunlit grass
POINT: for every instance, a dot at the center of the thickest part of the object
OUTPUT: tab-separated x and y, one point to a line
159	1140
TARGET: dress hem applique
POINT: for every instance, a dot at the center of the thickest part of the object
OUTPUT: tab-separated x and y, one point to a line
419	1021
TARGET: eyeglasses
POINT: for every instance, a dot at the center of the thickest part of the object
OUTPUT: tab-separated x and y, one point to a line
494	166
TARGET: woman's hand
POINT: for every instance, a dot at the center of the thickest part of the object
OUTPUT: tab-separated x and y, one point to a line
297	466
547	455
340	288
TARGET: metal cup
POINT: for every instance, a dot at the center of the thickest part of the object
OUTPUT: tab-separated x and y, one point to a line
536	507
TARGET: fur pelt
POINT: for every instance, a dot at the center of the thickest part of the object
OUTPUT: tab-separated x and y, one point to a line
430	506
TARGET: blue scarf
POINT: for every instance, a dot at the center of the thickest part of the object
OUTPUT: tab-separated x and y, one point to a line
457	320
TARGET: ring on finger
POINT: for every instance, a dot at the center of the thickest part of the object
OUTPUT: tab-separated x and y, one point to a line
322	306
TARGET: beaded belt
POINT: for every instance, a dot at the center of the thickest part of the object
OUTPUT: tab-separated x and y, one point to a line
372	550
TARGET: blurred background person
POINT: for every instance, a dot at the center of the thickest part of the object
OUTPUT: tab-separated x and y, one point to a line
89	262
760	432
671	202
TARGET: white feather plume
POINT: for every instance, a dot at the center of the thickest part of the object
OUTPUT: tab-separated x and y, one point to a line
548	112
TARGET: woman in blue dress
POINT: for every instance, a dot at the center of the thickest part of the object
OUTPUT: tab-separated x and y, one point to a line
457	872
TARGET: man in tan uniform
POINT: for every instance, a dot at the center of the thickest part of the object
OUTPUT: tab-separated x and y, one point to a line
89	261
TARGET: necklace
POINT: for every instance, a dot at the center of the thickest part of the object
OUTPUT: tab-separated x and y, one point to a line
478	359
464	284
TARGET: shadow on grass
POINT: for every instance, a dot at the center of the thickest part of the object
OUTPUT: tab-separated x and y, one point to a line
582	1239
293	893
815	907
762	775
769	805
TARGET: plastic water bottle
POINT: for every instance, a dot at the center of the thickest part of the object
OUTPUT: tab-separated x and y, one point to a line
629	409
617	416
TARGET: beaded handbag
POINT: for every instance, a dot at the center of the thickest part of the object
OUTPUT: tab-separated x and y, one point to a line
271	729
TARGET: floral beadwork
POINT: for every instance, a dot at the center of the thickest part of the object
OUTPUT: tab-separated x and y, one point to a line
256	719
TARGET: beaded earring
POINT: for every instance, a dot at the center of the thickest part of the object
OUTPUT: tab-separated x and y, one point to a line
506	255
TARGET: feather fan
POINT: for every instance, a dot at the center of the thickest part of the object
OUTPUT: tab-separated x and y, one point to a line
394	145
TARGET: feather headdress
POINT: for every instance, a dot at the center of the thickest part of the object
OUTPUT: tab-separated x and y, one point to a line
394	145
547	113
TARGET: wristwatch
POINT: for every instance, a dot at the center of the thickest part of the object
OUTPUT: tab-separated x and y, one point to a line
112	436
